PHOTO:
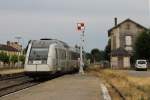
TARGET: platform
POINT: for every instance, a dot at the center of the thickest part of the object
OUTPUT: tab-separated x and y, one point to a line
68	87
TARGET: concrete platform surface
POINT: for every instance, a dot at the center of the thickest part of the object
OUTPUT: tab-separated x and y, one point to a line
11	71
68	87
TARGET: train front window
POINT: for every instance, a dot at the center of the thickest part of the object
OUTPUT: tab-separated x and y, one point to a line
38	54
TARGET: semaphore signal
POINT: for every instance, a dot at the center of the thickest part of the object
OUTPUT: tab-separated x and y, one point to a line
80	26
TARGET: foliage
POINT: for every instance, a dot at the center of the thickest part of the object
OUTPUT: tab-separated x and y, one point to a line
108	50
142	46
4	57
97	55
14	58
88	56
102	55
22	58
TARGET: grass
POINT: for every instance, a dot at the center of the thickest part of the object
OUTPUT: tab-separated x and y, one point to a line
142	84
133	88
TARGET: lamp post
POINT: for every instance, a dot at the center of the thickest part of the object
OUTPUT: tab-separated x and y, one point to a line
81	28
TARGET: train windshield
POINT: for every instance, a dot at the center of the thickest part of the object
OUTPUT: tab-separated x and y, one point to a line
40	54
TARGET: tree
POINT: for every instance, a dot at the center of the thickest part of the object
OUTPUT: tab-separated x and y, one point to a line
97	55
14	58
142	46
22	58
88	57
108	50
4	57
102	55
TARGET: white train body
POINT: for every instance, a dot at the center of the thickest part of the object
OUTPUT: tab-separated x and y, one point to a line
45	57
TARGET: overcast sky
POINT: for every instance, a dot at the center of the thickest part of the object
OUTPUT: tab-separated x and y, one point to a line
35	19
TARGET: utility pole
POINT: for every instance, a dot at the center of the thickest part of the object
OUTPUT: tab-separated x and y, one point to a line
149	12
81	28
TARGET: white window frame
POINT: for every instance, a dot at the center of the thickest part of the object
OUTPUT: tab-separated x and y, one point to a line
128	40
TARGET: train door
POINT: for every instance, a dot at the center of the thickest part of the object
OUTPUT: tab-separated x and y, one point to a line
58	60
67	58
63	59
56	53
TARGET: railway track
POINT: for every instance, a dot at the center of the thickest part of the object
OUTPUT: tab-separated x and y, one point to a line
11	76
15	83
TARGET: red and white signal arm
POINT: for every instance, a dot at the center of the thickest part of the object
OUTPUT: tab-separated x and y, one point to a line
80	26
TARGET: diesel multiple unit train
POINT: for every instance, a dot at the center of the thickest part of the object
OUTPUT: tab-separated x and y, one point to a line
49	56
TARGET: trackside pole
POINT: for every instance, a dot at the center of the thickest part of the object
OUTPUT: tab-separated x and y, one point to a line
81	28
81	71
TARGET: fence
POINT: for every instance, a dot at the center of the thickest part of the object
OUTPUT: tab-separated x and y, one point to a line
11	65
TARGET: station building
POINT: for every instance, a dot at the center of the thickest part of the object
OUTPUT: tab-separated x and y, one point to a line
123	36
11	48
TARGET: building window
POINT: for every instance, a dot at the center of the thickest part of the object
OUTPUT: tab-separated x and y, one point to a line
128	40
128	26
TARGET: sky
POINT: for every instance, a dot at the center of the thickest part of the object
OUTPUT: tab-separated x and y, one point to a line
35	19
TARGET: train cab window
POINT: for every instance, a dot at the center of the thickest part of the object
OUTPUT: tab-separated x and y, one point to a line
39	54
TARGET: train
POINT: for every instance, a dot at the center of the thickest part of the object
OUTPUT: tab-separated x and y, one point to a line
45	57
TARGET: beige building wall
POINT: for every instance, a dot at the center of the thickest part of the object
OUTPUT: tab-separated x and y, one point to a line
11	52
114	62
129	29
111	37
126	62
14	45
115	39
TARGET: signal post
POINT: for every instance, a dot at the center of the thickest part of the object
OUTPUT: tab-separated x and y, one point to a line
81	28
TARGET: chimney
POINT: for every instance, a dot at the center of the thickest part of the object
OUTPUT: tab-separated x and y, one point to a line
116	21
8	43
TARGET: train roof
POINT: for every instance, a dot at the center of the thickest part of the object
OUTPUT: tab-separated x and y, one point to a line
46	42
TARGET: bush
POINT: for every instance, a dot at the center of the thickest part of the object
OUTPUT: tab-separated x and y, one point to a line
4	57
14	58
22	58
